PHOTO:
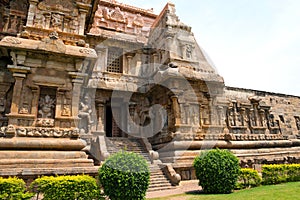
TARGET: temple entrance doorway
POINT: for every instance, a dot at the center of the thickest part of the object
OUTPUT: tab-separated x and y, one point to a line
113	115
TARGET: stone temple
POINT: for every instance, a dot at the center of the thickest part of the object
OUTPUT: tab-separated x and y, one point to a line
82	79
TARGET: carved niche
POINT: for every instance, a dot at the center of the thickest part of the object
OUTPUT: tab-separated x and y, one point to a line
13	15
6	90
57	15
249	118
46	107
115	18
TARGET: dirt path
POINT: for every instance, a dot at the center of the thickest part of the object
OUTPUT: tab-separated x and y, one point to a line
185	186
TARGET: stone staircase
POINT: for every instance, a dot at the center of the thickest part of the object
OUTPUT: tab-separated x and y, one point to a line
158	180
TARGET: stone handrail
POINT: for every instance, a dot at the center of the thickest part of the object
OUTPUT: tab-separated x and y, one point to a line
99	149
171	173
154	156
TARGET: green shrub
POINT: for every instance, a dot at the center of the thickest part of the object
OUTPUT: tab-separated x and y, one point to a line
248	178
217	171
67	187
13	189
125	176
274	174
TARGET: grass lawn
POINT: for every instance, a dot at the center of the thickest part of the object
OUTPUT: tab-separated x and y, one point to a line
286	191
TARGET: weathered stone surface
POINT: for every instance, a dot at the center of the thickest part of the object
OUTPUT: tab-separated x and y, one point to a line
41	143
81	70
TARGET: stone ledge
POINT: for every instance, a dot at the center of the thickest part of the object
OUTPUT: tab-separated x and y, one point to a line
48	171
5	154
20	143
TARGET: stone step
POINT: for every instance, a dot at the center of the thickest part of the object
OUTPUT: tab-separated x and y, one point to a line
45	163
10	154
158	180
153	189
159	184
156	172
157	176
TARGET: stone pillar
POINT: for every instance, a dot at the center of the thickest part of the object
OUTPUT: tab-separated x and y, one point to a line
17	92
35	99
77	83
139	63
101	116
176	109
59	102
31	12
169	40
211	111
47	20
128	67
6	23
155	61
124	114
187	114
19	73
76	96
101	62
83	9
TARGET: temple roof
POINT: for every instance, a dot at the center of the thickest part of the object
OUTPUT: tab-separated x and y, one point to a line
118	17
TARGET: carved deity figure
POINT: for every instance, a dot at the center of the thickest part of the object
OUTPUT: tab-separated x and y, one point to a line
221	116
13	25
2	104
194	115
66	110
298	123
185	114
252	117
74	25
86	109
106	13
46	105
138	20
39	21
273	123
231	119
189	51
99	12
56	21
262	120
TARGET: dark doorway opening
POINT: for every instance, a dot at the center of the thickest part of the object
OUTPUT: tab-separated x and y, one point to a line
112	117
109	118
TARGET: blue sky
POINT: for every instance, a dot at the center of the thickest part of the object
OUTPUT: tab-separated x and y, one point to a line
254	44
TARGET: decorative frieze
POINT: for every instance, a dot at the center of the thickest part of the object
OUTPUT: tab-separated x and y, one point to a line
47	132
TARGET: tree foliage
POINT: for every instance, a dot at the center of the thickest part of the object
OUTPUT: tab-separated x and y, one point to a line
217	171
125	176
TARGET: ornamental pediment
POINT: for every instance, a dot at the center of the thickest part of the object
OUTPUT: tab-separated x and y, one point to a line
119	17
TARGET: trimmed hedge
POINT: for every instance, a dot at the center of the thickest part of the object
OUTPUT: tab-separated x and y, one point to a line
13	189
67	187
217	171
125	176
274	174
248	178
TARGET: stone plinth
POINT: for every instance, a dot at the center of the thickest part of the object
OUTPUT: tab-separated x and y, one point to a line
29	158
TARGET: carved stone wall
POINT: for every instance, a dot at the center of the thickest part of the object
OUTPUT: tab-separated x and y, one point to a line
121	18
277	112
6	86
13	16
67	18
